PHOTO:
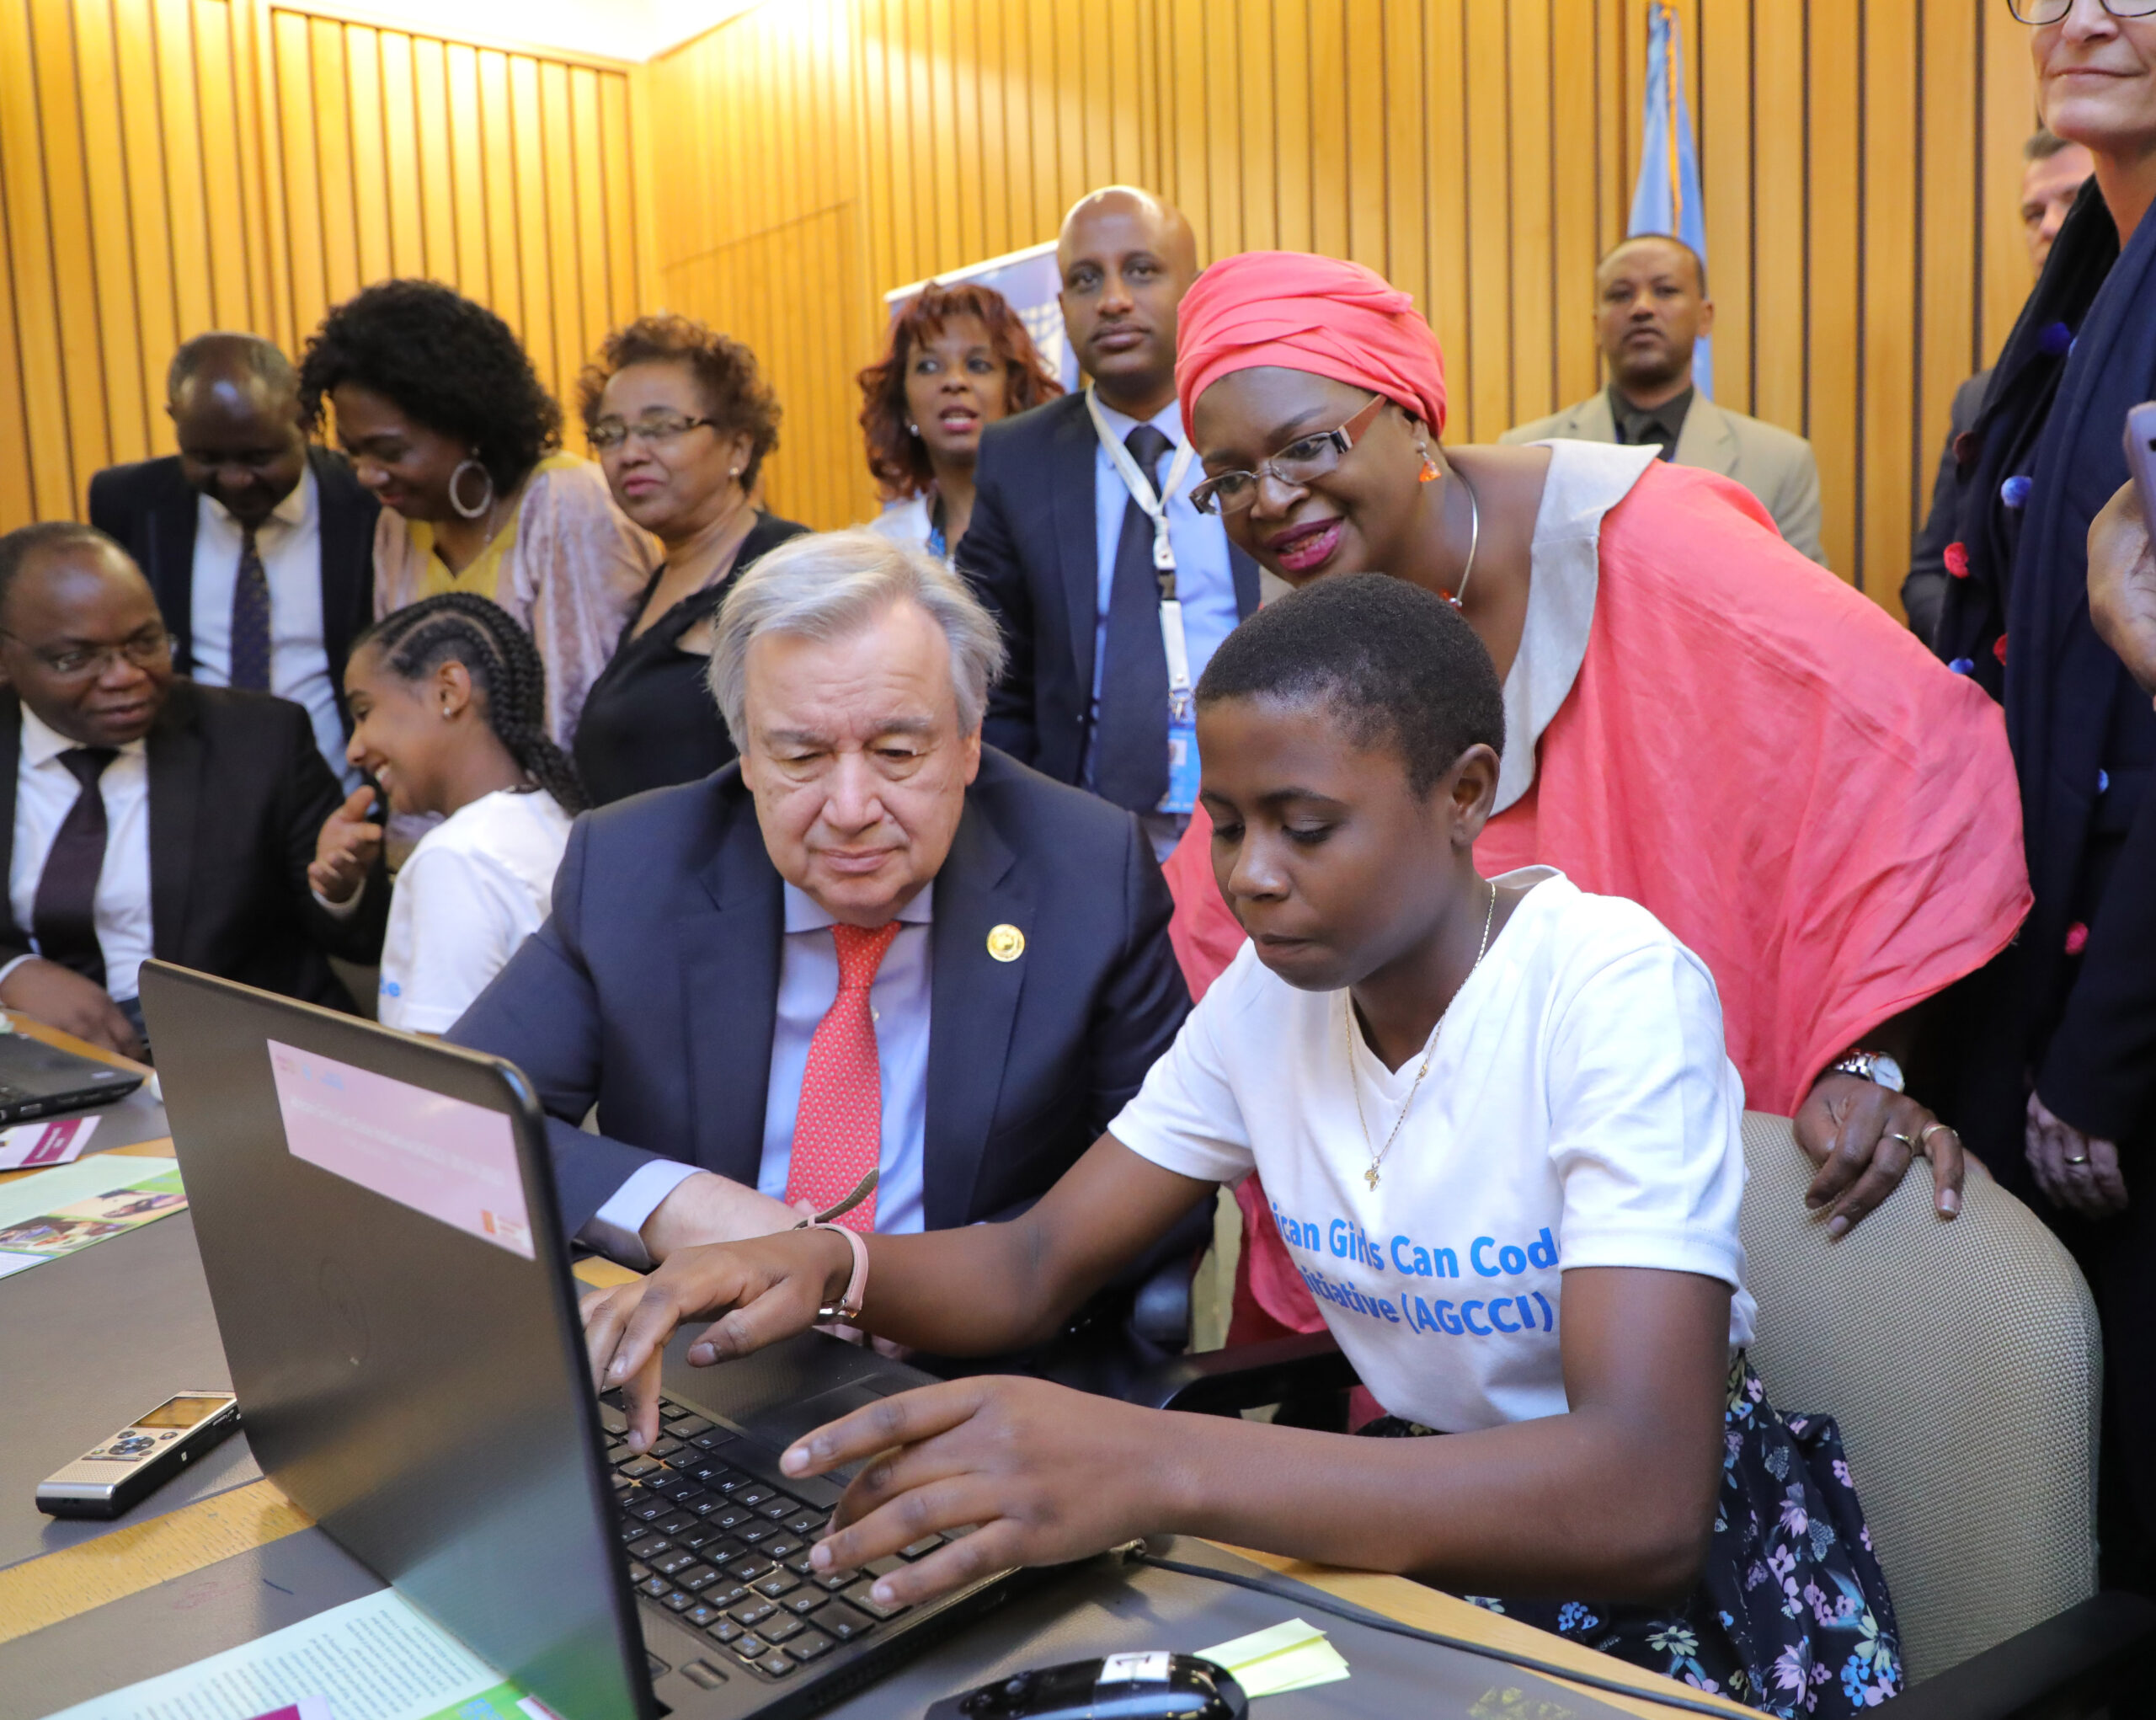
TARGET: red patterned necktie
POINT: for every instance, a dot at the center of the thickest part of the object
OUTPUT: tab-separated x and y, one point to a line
838	1127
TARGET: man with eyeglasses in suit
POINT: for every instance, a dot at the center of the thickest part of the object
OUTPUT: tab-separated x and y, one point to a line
141	814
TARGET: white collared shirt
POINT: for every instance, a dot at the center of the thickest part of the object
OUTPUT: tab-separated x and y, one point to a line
46	792
289	543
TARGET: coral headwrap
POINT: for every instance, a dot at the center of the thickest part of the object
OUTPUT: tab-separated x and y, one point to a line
1308	314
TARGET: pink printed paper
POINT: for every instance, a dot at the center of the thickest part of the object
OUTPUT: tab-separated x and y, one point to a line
452	1160
31	1146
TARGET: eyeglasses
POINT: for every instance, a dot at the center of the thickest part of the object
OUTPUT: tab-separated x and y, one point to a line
2052	11
1303	461
610	433
146	650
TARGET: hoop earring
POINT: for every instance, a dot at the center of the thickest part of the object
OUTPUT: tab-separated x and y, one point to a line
485	503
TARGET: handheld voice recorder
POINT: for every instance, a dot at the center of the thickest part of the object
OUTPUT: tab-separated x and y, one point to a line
111	1477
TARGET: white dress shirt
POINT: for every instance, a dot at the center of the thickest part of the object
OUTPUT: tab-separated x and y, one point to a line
46	792
290	544
898	1001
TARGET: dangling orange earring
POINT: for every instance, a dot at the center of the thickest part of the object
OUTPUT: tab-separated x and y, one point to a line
1429	466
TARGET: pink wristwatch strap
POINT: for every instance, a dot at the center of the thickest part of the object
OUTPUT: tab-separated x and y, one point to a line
848	1306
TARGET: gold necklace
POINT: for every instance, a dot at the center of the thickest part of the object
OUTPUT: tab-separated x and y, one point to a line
1355	1085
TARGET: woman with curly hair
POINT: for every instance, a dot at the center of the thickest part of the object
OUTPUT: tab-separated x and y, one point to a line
681	419
446	422
959	360
448	697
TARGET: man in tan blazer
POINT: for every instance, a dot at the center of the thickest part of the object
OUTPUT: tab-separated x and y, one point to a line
1650	308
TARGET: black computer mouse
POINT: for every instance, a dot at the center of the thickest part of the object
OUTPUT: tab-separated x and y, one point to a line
1156	1687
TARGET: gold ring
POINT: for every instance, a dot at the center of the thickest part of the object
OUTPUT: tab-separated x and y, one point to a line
1897	1134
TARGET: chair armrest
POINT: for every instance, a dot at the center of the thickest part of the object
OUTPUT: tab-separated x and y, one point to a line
2082	1661
1222	1382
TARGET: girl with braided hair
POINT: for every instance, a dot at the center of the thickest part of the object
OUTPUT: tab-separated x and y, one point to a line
448	700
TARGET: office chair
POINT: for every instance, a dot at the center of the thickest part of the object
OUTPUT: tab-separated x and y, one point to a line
1964	1364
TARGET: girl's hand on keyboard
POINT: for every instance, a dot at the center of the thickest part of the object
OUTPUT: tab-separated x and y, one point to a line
1048	1473
762	1291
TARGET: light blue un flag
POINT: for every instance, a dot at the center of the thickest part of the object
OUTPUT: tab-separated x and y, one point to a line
1666	199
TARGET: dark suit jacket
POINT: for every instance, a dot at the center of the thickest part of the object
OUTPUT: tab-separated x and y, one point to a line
151	508
1923	592
238	793
1032	552
653	989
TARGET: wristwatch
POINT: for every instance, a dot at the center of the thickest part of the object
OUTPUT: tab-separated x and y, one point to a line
1875	1066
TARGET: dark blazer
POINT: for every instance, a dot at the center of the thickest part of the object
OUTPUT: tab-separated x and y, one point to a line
238	793
151	508
1031	550
653	989
1923	592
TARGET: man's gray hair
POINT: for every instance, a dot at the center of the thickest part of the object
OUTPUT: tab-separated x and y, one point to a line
831	584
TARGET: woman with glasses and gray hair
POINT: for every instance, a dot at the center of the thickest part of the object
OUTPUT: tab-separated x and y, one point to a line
682	420
2058	1100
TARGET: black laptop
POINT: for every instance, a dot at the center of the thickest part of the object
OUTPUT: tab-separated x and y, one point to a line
377	1224
38	1080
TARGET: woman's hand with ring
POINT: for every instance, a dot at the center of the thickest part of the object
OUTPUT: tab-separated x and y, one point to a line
1863	1137
2079	1173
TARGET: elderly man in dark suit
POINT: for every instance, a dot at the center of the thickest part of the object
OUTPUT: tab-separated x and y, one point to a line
259	544
1084	542
872	944
141	814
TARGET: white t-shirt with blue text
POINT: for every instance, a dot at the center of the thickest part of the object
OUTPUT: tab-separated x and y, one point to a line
1579	1110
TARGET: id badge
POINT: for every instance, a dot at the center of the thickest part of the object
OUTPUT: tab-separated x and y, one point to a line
1182	766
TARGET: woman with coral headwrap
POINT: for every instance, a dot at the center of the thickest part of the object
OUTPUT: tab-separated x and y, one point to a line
1697	717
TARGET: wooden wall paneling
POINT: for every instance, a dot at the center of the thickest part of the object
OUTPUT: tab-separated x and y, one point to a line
1000	164
256	213
1226	105
1833	196
1407	255
565	285
2009	115
1117	70
949	167
1888	474
36	474
341	261
909	190
1061	72
142	126
202	79
527	161
1948	159
400	173
1364	41
504	207
469	192
1724	121
1575	208
1448	303
1243	41
588	243
624	177
191	261
1482	379
367	123
1188	157
75	276
105	168
1329	174
975	221
1531	252
1616	85
1045	202
1779	282
434	162
304	288
1294	195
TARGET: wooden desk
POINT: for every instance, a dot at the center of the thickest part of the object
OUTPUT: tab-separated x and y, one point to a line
63	1584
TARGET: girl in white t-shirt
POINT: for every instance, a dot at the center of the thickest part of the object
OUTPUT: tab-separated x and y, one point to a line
1502	1137
448	703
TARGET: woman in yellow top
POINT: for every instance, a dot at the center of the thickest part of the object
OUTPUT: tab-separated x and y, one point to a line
447	423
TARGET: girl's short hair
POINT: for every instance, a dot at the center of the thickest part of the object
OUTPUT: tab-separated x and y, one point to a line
442	360
1398	665
462	627
898	458
827	583
736	396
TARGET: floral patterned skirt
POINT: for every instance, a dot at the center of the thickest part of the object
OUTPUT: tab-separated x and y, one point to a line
1791	1616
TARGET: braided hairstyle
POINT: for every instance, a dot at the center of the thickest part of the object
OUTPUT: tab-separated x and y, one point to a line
462	627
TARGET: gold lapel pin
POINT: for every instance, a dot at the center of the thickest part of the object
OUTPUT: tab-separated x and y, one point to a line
1006	943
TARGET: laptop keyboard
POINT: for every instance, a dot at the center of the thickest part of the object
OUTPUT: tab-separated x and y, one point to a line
726	1552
